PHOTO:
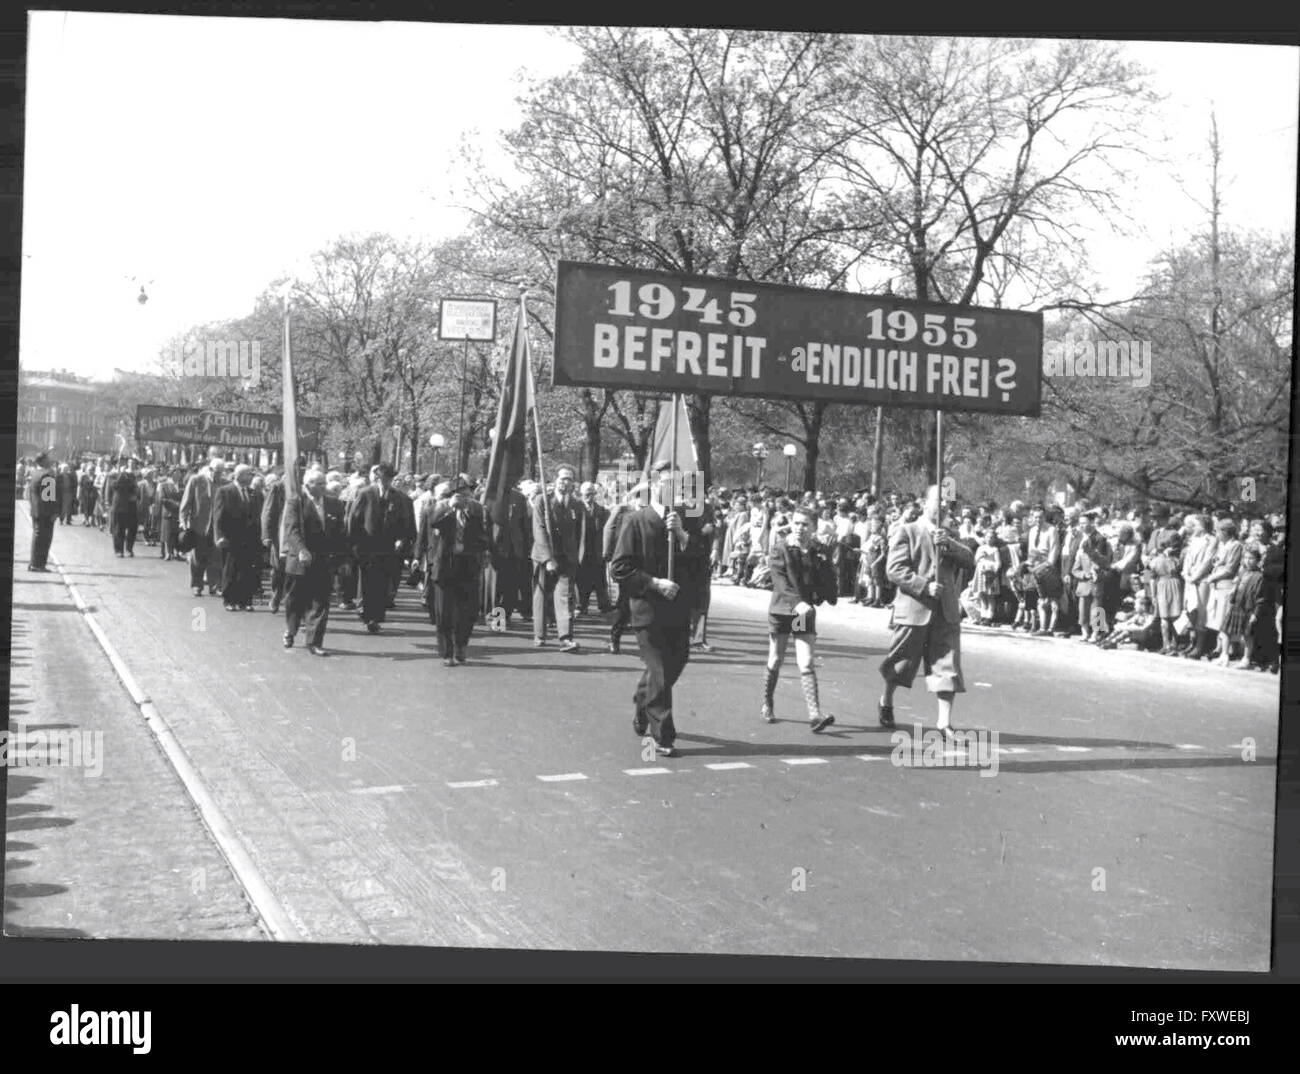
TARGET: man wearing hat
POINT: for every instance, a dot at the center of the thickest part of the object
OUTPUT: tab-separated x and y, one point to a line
661	608
237	532
43	499
452	541
381	528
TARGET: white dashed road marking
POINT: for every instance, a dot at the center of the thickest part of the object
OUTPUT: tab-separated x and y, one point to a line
465	784
564	777
394	789
646	771
1074	749
727	766
804	760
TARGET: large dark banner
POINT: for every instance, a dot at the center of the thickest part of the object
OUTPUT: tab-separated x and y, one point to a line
229	428
632	328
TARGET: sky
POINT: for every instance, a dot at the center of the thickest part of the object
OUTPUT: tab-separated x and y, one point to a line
202	158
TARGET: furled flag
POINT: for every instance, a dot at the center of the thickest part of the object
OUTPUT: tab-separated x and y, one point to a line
290	410
685	458
510	440
687	481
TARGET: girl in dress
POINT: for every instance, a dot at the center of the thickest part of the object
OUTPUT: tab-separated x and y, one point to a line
1167	583
988	569
1243	609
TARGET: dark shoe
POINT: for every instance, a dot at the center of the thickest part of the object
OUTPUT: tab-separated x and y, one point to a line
317	650
230	607
570	646
198	591
767	713
373	628
640	723
820	725
288	640
460	656
666	751
448	662
886	714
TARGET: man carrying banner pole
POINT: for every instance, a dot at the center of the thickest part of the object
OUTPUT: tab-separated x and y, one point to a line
661	608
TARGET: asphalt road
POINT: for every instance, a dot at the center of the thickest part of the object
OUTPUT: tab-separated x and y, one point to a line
507	803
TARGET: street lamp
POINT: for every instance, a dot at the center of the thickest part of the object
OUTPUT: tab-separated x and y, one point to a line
789	451
759	451
437	441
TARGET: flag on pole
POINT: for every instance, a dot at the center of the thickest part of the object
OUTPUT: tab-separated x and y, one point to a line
290	408
509	456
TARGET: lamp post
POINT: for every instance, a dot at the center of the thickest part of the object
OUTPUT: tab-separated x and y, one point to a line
759	451
790	451
436	441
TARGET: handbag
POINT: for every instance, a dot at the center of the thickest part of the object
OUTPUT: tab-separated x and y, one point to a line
185	540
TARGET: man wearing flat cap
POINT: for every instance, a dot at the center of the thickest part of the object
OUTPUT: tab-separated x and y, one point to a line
452	541
661	607
381	528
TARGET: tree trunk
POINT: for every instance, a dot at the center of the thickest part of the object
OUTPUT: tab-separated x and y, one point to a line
878	451
698	408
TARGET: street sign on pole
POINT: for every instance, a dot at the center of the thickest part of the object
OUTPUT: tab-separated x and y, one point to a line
468	318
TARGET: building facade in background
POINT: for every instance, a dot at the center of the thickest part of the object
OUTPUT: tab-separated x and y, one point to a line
63	414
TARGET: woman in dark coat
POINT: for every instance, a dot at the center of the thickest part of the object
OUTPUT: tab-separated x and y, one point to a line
124	511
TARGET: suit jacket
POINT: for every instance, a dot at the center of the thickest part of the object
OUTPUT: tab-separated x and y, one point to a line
234	516
303	529
43	494
377	522
640	555
437	540
911	565
272	516
196	504
512	527
563	540
593	522
799	575
612	525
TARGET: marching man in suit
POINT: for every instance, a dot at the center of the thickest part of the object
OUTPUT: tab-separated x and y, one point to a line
452	541
925	562
661	608
559	533
381	528
802	577
313	534
237	530
196	516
